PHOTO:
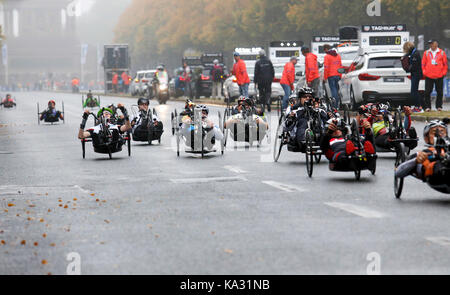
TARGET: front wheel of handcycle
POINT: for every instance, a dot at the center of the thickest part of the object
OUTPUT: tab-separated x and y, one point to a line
83	147
278	143
400	158
129	143
309	152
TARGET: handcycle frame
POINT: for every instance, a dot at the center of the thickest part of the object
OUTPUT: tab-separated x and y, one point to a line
125	138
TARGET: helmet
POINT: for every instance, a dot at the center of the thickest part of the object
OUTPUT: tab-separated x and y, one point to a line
216	61
433	124
236	53
262	52
160	68
202	108
51	101
245	99
143	100
304	91
100	112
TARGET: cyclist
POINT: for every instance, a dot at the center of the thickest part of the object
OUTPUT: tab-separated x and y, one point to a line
146	122
105	116
8	102
337	148
244	109
51	114
90	101
424	165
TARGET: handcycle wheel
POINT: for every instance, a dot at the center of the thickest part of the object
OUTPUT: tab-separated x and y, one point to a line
222	141
279	107
400	158
357	174
226	114
109	153
39	121
83	148
309	152
346	114
129	143
317	157
278	143
63	113
177	134
172	117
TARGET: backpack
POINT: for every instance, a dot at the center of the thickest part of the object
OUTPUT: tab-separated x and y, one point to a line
406	63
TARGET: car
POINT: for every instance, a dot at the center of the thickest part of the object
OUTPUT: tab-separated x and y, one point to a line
376	77
140	82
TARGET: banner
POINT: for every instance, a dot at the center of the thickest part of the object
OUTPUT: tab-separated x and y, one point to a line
84	51
5	54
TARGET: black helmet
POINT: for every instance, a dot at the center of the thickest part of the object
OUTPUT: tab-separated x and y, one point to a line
305	91
143	100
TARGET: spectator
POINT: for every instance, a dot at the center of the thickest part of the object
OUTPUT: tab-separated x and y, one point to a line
263	77
217	78
187	75
240	72
287	81
311	70
434	67
115	81
126	81
414	66
332	62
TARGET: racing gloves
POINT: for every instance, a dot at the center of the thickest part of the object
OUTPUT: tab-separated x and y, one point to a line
83	122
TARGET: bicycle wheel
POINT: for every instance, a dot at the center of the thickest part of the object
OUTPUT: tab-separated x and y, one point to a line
278	143
309	152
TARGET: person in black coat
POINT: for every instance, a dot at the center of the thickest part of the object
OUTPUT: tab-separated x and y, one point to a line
264	74
414	66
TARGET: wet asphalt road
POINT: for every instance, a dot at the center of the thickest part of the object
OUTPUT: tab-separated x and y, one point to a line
154	213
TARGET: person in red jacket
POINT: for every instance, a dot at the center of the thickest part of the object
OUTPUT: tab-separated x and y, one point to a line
115	81
287	81
434	67
332	62
126	81
240	72
311	69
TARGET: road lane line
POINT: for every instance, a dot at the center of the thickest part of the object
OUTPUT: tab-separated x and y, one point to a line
235	169
284	187
81	189
357	210
443	241
208	179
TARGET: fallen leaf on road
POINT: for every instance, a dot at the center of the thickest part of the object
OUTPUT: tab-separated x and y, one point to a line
97	200
32	206
44	235
107	221
36	244
92	194
65	207
44	262
75	199
52	245
228	251
2	242
60	205
6	210
23	242
41	220
156	236
11	205
49	210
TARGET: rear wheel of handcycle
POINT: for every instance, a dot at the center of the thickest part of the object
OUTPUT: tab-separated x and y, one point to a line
172	117
400	158
83	148
278	143
222	141
225	132
129	143
39	121
178	143
279	107
309	152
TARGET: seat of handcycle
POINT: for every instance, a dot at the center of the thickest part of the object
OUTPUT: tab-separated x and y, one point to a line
353	163
51	119
142	133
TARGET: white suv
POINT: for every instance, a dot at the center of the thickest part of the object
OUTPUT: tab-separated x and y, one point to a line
374	77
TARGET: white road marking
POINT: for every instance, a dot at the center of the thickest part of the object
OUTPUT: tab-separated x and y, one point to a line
208	179
357	210
235	169
81	189
284	187
443	241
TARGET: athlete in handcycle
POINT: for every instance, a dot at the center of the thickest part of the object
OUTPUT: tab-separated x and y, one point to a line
51	114
431	165
146	125
90	101
245	122
346	149
301	127
106	137
8	102
391	132
199	133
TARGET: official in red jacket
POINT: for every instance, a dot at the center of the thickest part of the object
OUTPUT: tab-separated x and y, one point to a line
434	67
240	72
287	80
332	62
311	70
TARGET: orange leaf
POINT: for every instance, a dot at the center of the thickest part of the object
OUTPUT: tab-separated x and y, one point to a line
23	242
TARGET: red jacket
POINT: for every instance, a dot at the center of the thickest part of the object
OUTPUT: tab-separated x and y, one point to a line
288	76
115	79
125	78
311	67
332	62
240	72
434	71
